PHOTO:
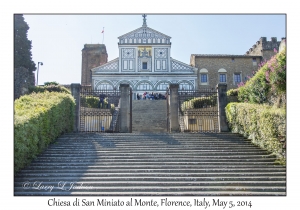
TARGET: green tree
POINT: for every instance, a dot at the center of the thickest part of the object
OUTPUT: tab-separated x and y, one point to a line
22	46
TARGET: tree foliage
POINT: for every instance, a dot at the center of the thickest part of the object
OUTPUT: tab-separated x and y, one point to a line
22	46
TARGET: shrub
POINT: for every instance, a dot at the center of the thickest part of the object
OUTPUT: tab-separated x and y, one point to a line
199	102
270	79
51	83
49	88
264	125
39	118
93	102
232	92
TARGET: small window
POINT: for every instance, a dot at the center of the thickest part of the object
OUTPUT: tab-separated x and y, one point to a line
144	65
203	78
254	61
222	77
237	78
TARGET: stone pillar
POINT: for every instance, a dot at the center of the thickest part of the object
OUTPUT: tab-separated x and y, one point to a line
75	89
125	108
222	102
173	104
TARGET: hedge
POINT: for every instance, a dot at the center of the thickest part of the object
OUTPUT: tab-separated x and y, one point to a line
39	118
264	125
49	88
93	102
199	102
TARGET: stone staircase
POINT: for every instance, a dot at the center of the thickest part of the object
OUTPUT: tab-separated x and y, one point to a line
106	164
149	116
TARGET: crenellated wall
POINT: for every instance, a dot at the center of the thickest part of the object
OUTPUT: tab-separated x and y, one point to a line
265	48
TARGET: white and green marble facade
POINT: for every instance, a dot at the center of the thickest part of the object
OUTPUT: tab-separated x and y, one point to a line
145	63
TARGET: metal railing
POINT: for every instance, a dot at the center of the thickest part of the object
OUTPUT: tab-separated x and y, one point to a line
198	110
99	110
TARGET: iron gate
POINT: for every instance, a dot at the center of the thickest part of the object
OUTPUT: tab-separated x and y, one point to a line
99	111
198	111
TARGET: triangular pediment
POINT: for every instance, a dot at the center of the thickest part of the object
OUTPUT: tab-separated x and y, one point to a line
177	66
144	32
111	66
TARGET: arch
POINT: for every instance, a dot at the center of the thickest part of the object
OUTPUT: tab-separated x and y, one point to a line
104	85
160	85
148	85
222	70
185	85
203	71
124	82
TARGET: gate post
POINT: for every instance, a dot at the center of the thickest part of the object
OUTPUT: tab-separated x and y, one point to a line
222	102
75	90
125	108
174	108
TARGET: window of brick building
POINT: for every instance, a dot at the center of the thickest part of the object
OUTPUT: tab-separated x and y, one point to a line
222	77
237	78
203	77
254	61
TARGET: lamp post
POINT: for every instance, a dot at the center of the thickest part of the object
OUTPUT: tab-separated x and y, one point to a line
37	75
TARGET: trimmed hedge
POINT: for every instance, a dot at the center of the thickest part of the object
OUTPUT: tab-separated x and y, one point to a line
264	125
39	118
199	102
93	102
49	88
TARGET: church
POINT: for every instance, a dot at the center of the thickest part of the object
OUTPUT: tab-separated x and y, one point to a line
145	63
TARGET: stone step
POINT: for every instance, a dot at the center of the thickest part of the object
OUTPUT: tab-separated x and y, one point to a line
166	189
144	183
151	178
149	116
153	164
151	193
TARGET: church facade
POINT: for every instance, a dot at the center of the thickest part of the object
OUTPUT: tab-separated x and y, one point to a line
145	63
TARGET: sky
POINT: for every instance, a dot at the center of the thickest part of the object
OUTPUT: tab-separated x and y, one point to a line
57	40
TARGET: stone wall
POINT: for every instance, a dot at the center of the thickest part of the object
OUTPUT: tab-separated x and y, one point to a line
234	64
93	55
23	79
264	48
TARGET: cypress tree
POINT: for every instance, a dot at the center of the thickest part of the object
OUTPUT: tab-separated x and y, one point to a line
22	46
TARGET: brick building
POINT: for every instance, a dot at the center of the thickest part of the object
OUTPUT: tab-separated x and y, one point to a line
93	55
232	69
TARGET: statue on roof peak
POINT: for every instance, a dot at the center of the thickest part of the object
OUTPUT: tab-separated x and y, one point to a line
144	20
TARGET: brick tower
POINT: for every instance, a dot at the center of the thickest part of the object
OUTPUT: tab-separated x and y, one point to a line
93	55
